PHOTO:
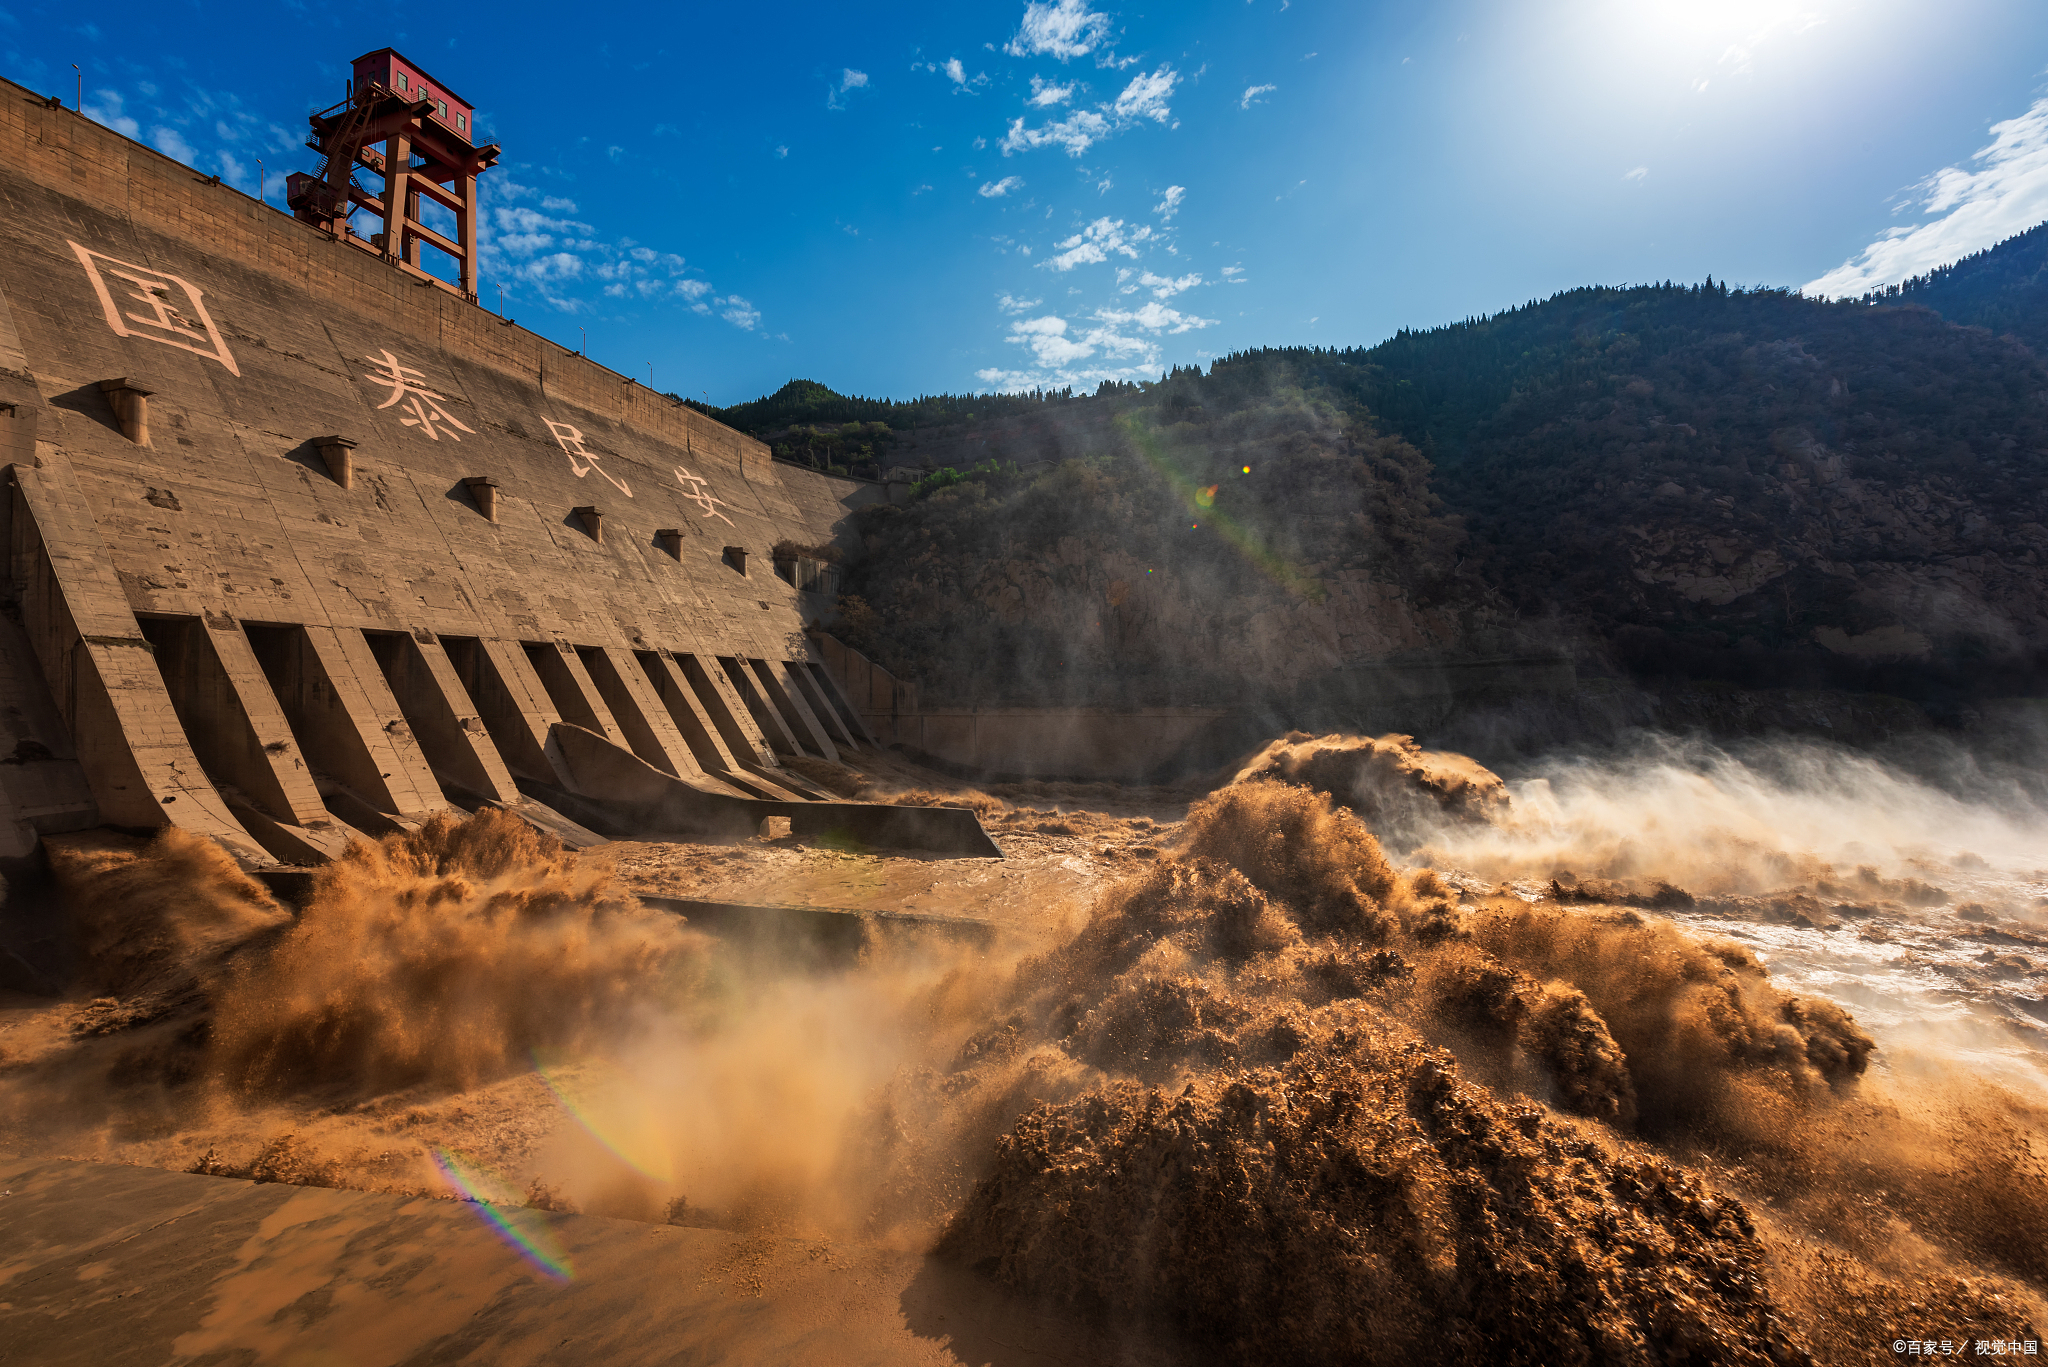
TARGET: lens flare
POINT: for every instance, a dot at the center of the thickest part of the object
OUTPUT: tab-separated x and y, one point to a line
1245	542
621	1121
499	1205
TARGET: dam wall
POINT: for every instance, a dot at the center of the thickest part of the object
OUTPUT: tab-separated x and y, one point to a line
304	545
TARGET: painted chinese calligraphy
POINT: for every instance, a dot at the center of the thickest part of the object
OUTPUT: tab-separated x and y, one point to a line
698	491
582	460
423	403
173	310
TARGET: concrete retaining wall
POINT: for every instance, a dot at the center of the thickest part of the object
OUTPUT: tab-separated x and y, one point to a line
1097	744
1061	742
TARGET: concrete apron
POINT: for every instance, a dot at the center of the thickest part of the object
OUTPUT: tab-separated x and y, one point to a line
648	803
107	1263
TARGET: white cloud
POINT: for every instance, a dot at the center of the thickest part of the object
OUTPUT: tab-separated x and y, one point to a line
781	151
1145	97
1077	132
849	79
1117	343
171	143
1047	338
2006	193
954	70
1066	29
525	232
1155	318
1010	303
1638	173
1165	287
1095	243
234	172
1233	275
1789	20
1044	94
554	268
739	312
1252	95
1082	254
1112	346
555	259
996	189
1062	354
106	108
1169	203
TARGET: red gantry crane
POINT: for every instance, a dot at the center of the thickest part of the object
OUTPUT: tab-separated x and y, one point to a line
426	131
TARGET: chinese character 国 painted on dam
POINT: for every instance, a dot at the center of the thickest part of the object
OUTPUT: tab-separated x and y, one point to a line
172	310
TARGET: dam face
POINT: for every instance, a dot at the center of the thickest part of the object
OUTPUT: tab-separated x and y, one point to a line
304	543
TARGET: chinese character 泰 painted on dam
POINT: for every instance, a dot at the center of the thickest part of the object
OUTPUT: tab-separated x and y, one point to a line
582	460
423	403
697	491
141	302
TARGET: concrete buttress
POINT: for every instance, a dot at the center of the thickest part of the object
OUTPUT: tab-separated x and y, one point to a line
102	672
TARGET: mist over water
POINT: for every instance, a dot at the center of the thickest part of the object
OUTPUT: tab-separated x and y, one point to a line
1919	900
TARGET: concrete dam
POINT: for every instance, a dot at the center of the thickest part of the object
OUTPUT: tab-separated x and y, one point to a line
305	544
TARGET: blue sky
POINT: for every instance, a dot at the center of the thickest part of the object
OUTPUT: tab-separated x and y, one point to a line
926	198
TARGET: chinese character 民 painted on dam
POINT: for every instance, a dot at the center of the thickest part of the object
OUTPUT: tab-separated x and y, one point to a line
423	403
582	460
171	310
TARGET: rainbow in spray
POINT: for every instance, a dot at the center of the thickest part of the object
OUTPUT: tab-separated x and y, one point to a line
622	1121
498	1204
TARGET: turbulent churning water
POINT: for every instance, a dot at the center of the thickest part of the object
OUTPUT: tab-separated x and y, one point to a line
1922	908
1685	1057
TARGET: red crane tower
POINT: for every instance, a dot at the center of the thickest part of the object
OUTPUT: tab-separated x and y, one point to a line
426	131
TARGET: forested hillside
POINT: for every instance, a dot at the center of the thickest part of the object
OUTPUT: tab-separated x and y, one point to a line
1666	480
1164	559
2004	288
